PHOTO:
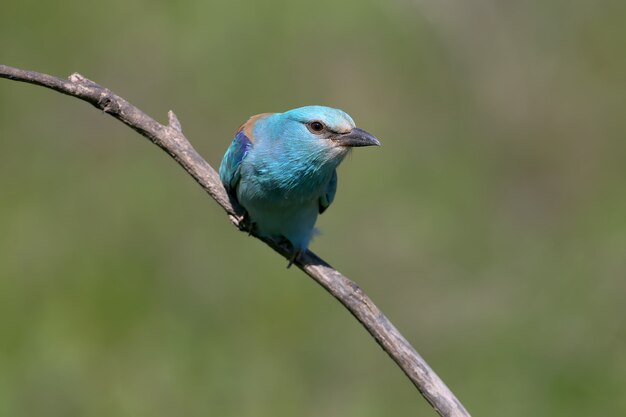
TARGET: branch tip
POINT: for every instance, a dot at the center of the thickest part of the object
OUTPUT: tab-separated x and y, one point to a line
173	121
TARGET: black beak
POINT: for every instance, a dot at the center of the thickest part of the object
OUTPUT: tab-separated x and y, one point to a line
356	137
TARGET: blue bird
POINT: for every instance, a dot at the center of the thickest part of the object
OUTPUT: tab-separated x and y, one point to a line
281	167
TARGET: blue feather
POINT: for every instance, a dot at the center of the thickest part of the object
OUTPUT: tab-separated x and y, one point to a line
236	152
327	198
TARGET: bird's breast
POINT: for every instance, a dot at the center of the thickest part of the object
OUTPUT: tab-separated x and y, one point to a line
283	184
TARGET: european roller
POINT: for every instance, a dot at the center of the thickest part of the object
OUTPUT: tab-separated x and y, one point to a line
282	168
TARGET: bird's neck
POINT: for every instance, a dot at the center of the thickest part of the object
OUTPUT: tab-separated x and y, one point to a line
312	165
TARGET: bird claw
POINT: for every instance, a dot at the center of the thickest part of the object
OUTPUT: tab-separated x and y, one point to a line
245	223
296	256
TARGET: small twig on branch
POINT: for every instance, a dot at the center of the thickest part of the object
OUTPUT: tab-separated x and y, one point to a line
171	139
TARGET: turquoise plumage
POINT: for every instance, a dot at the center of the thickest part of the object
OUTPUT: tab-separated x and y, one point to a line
281	167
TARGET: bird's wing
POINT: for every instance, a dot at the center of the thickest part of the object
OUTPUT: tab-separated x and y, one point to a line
237	151
327	198
239	148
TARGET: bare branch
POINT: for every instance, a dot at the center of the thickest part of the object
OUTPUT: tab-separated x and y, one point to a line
171	139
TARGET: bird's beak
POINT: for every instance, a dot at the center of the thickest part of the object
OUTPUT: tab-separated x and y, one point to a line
356	137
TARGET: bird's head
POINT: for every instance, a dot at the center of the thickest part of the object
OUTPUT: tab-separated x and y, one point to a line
326	127
315	135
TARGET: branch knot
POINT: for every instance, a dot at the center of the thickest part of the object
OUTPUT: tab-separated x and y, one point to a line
108	104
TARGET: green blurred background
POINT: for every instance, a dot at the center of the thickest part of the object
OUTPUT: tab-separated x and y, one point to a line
490	226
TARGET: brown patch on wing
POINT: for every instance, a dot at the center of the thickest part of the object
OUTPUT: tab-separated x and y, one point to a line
249	125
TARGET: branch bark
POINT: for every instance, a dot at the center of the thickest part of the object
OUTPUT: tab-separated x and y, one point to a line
170	138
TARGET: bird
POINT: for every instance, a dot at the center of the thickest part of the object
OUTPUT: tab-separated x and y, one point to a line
282	169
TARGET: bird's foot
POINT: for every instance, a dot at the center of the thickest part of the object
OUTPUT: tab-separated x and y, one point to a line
245	223
296	256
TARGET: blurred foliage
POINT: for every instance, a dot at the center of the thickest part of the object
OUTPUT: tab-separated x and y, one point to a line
490	226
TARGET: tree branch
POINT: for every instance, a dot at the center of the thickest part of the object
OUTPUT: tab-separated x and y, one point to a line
171	139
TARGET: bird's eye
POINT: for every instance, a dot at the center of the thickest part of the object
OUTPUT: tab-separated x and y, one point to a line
316	126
